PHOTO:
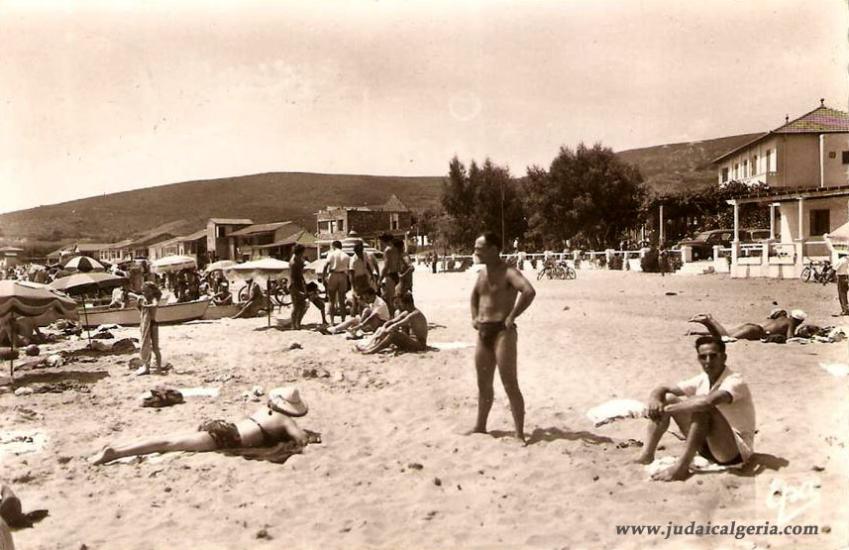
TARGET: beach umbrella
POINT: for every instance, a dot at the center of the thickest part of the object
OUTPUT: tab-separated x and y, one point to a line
37	302
169	264
265	268
83	263
219	265
85	282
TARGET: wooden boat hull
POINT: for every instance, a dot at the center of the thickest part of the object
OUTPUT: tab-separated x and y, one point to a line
167	314
220	312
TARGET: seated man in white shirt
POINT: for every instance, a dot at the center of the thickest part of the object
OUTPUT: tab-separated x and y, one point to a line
374	315
714	410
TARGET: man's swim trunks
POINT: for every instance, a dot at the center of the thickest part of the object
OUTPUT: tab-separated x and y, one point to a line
225	434
489	331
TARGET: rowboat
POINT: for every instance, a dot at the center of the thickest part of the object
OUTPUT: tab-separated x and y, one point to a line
219	312
166	314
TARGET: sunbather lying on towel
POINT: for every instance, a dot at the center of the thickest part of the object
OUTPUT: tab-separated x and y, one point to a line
407	331
714	411
267	426
778	323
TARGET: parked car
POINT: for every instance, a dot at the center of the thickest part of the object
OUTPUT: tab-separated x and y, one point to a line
703	243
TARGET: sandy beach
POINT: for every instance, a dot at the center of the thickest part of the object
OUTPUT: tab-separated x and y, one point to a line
395	471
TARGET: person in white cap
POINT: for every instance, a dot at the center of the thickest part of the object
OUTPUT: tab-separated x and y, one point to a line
267	426
779	322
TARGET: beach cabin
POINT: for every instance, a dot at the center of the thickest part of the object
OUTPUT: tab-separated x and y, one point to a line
219	245
10	256
192	245
369	222
271	240
805	164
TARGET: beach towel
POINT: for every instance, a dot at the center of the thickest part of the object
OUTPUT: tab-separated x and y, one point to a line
200	392
617	409
444	346
276	454
700	465
838	370
18	443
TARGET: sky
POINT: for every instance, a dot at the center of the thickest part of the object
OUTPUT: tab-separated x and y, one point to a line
101	97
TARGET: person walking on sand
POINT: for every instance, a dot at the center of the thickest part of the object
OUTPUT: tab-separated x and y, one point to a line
841	268
495	308
148	303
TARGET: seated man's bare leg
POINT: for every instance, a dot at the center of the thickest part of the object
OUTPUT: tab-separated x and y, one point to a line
659	427
700	427
485	367
405	342
505	356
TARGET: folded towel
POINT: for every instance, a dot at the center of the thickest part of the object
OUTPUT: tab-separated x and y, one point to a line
699	465
836	369
617	409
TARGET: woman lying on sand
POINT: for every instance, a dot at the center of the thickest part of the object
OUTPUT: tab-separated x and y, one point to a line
267	426
778	322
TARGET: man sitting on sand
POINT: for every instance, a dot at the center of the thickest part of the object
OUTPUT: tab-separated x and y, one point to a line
267	426
407	331
255	303
714	410
777	323
374	315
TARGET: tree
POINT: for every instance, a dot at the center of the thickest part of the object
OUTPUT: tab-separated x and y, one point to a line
479	199
587	195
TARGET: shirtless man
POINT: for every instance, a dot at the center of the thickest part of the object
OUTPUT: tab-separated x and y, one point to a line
494	311
298	286
407	331
778	322
267	426
389	275
713	409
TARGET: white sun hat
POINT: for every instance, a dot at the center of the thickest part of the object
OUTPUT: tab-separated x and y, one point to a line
287	400
798	314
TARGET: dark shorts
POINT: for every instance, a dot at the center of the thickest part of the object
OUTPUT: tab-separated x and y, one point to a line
225	434
705	452
488	332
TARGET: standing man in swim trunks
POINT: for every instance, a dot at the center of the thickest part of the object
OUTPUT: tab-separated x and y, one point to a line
494	311
298	287
389	277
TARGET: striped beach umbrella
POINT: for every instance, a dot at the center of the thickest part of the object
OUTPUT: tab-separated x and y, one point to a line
36	302
84	263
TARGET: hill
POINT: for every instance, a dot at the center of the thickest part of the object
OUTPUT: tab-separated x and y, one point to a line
260	197
292	196
672	168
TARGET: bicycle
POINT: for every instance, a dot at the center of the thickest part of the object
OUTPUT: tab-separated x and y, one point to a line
559	270
820	271
279	292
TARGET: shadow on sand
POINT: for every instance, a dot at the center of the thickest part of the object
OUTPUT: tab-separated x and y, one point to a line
760	463
80	377
554	434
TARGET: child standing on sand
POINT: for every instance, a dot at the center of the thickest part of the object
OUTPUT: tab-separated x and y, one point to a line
147	304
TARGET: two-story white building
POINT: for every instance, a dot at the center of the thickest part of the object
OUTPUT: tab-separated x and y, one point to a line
805	164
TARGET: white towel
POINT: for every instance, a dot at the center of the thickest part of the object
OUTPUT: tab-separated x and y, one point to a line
199	392
450	345
699	465
18	443
836	369
617	409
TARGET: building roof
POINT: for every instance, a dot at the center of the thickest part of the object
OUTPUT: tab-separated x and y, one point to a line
822	120
197	235
119	244
90	247
394	204
303	237
259	228
231	221
782	194
11	249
